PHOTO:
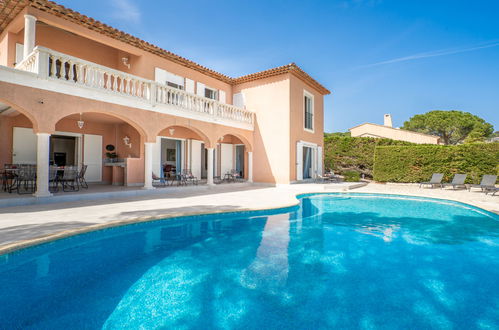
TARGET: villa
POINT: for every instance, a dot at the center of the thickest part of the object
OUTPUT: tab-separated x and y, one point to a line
74	91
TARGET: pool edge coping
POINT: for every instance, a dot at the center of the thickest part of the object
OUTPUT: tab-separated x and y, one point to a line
23	244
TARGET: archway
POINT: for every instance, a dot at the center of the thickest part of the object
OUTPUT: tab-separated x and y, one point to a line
232	156
17	135
111	147
178	149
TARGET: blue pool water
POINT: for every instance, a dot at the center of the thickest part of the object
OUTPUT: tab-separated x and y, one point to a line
335	261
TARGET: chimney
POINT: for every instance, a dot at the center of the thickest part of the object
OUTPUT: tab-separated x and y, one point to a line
388	120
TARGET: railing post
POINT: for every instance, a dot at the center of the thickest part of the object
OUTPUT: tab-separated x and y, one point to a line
42	64
153	89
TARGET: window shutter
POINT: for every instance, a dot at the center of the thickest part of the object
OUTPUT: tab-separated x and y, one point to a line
160	75
319	161
19	53
189	85
238	100
222	97
299	161
200	89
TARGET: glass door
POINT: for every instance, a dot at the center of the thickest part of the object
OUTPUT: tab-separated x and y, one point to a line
307	162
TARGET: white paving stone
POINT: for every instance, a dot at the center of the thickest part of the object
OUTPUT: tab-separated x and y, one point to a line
23	223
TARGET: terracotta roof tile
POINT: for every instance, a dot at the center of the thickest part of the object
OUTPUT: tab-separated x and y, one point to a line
9	9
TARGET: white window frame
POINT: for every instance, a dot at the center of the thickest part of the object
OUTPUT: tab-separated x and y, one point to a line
174	85
215	92
311	96
316	166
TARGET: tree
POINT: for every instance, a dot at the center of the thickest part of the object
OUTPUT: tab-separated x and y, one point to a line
452	126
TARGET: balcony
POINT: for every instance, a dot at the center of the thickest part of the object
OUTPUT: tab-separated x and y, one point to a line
113	85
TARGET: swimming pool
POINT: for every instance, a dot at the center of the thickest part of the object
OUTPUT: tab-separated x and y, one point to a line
335	261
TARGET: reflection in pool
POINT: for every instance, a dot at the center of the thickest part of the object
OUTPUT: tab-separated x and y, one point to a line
336	261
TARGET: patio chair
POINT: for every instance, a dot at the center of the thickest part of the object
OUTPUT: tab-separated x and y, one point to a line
457	181
228	177
236	176
189	177
26	179
488	183
331	177
81	177
319	178
156	179
9	177
436	180
53	179
69	180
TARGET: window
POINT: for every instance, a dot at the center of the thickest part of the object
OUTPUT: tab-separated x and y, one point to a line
308	111
174	85
210	93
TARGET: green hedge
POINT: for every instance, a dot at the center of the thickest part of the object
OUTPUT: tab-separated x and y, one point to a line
343	153
418	162
351	176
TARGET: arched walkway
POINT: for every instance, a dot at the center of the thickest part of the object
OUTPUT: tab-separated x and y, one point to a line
180	149
98	140
234	157
18	128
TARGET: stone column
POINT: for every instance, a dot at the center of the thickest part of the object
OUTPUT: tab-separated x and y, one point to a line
29	34
42	165
250	166
210	152
148	165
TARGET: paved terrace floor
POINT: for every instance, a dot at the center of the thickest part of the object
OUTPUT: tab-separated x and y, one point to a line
30	224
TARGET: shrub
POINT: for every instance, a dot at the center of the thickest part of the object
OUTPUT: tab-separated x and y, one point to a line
418	162
351	176
344	153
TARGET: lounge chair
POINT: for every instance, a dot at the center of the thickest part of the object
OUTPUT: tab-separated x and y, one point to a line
492	190
457	181
436	180
488	183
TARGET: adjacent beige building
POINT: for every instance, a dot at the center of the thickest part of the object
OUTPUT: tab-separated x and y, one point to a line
387	131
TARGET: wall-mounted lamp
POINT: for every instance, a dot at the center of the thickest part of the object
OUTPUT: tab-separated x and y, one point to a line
126	141
80	122
172	131
126	62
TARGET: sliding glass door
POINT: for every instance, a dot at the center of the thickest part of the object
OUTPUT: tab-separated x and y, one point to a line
307	162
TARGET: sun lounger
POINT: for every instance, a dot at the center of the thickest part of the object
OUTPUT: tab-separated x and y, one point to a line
488	183
436	180
492	190
457	181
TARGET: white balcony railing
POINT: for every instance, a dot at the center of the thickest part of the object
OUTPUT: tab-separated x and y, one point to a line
49	64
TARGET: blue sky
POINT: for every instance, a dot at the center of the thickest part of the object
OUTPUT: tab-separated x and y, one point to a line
376	56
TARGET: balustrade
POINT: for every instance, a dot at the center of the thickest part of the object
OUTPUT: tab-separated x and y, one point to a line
62	67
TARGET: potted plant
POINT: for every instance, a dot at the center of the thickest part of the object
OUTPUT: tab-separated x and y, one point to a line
110	154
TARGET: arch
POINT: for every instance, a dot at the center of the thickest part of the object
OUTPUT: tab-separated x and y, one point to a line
243	139
200	134
24	112
142	132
